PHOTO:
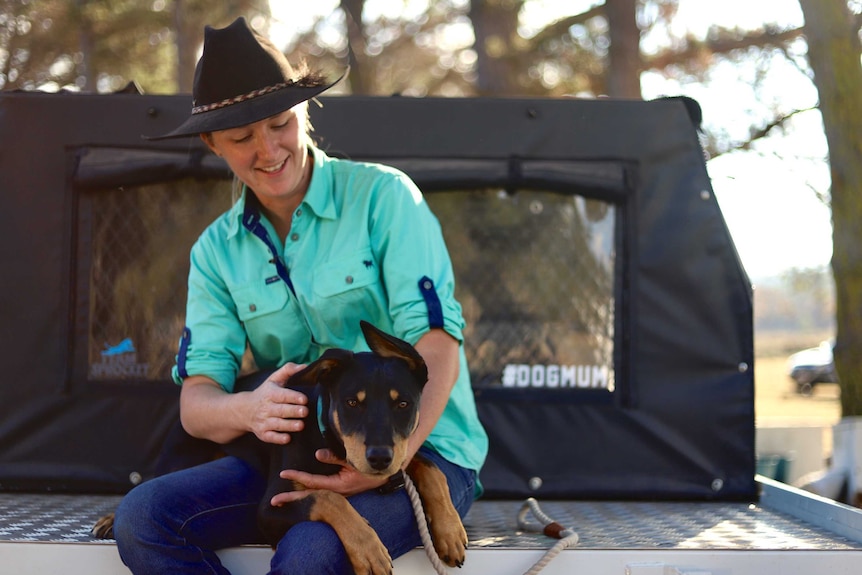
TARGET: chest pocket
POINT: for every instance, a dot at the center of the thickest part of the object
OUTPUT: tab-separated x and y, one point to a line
257	300
275	329
345	277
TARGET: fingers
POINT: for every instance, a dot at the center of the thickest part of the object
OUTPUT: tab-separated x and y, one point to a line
277	412
278	430
280	402
347	481
287	406
274	391
288	497
277	437
282	374
339	483
326	456
301	477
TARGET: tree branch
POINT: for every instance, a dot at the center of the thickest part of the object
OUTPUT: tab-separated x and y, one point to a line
561	26
726	42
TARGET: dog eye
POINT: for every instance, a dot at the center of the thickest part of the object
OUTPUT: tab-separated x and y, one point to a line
403	404
352	402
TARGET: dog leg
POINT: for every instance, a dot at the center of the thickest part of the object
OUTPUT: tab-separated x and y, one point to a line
364	549
104	527
447	531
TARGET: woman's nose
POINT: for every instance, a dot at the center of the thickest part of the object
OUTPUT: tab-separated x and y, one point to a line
265	145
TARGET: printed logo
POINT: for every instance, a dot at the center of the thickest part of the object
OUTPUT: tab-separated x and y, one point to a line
556	376
119	360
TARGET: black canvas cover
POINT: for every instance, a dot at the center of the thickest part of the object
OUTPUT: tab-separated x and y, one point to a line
609	321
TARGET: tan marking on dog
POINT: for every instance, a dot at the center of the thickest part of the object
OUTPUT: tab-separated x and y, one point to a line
399	450
447	531
104	527
360	396
364	549
393	393
336	423
354	446
399	453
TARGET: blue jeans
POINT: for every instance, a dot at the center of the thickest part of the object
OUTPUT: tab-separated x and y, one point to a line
176	522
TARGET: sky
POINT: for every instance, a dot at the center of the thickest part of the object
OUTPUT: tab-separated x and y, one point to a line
768	196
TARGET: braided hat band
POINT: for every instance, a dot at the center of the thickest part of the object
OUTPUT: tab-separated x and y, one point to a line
308	81
238	99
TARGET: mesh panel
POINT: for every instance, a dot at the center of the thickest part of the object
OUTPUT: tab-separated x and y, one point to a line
535	276
534	271
139	248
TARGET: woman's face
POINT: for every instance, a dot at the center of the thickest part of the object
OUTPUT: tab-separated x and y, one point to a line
269	156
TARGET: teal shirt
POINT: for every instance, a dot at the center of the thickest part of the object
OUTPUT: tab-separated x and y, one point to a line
360	244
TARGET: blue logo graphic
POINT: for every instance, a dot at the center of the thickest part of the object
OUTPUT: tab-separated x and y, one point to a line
125	346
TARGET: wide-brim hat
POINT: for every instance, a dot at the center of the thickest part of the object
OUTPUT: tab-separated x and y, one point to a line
242	78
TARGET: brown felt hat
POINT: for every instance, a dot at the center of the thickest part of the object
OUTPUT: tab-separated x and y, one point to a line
240	79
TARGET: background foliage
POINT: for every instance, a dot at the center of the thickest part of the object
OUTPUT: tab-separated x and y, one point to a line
492	48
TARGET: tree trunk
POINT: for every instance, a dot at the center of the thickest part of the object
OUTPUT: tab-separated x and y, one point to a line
86	47
495	26
624	57
187	41
833	52
360	81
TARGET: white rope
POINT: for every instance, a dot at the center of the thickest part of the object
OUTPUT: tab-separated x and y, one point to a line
422	523
567	537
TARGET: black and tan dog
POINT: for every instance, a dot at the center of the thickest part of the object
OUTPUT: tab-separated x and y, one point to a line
367	406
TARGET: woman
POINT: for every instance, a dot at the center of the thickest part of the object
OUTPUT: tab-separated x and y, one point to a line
312	246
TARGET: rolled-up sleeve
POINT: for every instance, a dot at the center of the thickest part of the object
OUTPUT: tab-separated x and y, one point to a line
417	269
213	340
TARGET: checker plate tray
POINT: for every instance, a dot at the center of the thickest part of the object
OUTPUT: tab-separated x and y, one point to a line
493	524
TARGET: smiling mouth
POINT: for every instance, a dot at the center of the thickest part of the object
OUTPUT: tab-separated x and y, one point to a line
273	169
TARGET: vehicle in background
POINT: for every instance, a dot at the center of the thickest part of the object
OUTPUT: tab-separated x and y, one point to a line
812	366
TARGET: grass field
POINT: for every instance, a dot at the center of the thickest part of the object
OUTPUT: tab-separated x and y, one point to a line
776	403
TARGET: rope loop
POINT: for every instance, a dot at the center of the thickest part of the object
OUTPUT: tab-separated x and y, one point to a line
567	537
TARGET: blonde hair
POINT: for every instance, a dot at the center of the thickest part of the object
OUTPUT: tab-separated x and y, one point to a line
236	189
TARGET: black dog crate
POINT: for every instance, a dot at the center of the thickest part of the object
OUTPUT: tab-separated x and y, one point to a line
608	317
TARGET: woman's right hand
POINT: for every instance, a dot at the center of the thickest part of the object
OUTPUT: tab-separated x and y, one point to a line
271	411
277	411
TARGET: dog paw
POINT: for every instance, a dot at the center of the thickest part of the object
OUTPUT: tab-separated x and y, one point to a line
104	527
450	542
371	558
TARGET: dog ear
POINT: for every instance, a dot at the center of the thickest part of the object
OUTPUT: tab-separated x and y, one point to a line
386	345
332	362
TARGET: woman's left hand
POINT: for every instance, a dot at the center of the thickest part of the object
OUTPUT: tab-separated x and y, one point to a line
347	481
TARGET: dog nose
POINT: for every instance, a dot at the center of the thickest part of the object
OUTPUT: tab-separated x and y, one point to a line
378	456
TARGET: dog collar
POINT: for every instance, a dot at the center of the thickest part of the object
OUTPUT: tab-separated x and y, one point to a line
393	484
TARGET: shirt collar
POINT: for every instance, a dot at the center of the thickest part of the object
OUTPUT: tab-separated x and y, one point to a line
318	198
236	214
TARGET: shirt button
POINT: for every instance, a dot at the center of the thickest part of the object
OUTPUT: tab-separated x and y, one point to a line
348	280
252	307
294	237
427	285
298	212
